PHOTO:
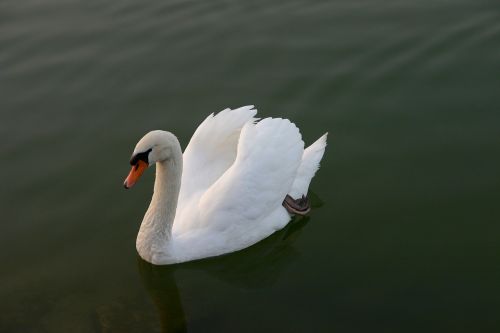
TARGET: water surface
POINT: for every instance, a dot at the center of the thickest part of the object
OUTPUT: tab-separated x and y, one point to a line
404	235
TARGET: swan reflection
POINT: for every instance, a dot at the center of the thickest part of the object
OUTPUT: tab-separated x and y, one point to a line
256	267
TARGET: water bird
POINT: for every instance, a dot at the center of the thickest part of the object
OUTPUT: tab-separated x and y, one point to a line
239	180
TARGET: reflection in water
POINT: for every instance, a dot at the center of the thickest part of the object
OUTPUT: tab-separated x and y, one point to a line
161	285
256	267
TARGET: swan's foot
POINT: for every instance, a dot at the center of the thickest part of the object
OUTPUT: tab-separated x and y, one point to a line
299	206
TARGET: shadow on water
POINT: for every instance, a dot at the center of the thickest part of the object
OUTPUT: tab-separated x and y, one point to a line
256	267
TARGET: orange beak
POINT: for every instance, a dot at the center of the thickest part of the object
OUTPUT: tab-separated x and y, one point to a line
135	174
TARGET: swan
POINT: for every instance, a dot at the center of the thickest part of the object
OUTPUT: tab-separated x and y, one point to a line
239	180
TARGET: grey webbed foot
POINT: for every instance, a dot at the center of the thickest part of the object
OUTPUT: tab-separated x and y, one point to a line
299	206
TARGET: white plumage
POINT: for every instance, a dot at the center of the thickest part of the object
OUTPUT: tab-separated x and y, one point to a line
235	172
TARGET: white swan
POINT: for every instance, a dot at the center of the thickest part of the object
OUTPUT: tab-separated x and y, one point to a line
227	191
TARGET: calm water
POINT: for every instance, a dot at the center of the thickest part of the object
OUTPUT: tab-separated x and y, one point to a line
405	236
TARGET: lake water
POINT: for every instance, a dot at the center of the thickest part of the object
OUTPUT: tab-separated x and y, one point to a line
404	236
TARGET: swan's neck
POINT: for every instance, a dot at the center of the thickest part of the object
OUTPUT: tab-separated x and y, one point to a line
155	233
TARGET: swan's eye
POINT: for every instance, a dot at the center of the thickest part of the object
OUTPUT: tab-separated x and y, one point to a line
140	157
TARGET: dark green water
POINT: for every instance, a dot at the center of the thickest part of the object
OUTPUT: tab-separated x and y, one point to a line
407	235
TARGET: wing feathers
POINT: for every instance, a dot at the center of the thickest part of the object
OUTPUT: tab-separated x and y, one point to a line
269	154
212	149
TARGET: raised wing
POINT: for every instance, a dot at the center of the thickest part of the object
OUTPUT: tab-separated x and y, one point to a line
269	154
212	149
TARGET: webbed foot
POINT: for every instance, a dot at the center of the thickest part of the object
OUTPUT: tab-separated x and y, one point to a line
299	206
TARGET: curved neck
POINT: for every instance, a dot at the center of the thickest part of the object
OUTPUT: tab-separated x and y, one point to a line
166	193
156	227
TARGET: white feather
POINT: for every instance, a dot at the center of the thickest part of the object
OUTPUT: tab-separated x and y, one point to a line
308	167
212	149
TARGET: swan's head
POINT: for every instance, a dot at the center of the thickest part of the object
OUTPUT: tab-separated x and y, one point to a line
156	146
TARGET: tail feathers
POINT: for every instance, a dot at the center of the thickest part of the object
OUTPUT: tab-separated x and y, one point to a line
308	167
